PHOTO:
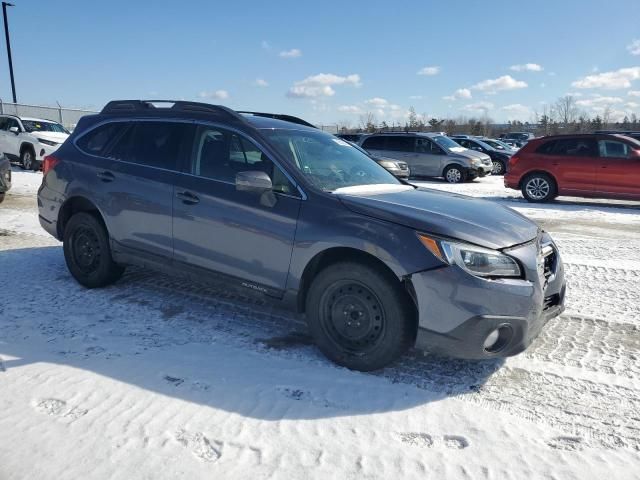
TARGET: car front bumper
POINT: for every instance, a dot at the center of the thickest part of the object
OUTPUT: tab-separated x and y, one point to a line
458	311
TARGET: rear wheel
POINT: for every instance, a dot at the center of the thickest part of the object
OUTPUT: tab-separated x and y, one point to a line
87	252
359	317
498	167
539	187
454	174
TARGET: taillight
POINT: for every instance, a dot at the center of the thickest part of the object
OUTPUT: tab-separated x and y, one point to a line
49	162
512	161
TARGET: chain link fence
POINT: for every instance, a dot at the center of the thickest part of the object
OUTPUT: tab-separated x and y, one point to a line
66	116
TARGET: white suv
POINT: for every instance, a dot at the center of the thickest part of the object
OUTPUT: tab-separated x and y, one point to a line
29	140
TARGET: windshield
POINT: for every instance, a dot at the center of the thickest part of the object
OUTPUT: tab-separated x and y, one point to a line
447	143
496	144
38	126
328	162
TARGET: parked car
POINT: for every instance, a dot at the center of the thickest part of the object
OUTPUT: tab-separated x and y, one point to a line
289	211
500	145
626	133
350	137
395	167
581	165
519	139
5	176
499	158
430	155
29	140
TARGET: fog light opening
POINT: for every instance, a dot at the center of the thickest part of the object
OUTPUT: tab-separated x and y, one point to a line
498	339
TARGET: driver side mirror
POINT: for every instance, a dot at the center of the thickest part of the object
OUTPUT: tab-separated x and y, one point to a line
15	130
253	181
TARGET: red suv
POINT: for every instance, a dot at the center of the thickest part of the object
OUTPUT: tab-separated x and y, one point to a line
581	165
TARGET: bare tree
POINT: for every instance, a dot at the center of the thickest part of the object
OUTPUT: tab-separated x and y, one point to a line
606	116
566	109
368	122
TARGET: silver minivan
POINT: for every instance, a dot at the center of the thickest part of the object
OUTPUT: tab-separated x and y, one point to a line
430	155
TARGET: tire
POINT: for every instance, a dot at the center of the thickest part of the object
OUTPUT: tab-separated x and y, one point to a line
499	168
454	174
27	159
87	252
359	317
1	197
539	188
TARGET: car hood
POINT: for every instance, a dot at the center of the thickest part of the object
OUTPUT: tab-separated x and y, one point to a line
473	154
473	220
57	137
380	158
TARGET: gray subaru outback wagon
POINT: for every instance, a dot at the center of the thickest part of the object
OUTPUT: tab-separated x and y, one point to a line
271	203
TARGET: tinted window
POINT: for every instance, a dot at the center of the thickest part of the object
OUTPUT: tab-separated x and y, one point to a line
574	147
374	143
609	148
96	141
38	126
156	144
12	122
3	123
220	155
400	144
546	148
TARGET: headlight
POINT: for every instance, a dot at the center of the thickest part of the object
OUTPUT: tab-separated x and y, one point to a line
479	261
387	164
476	161
47	142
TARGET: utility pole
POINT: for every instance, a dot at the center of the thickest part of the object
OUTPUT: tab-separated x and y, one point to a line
6	34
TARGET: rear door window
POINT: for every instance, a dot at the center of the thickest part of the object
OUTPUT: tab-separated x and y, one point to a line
401	144
154	144
575	147
375	143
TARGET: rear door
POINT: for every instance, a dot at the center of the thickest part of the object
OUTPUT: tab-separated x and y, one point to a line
572	161
240	234
430	158
619	169
130	172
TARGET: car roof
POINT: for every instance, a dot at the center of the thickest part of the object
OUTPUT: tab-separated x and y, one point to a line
274	123
32	119
412	134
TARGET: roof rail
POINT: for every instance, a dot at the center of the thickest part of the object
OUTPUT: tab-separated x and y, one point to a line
280	116
137	106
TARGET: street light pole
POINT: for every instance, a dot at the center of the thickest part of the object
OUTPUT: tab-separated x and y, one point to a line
6	34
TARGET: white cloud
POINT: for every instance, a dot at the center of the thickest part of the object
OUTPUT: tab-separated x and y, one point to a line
461	93
293	53
354	109
516	110
574	94
505	82
526	67
632	105
218	95
416	97
634	93
377	102
598	101
617	79
634	47
261	82
428	71
321	85
478	107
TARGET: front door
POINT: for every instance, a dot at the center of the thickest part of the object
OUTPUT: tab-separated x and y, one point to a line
245	235
619	171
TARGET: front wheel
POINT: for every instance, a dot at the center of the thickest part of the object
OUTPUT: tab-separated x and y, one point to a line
538	188
27	160
454	174
359	317
87	252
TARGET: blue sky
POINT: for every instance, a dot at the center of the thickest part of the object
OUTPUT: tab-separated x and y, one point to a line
330	61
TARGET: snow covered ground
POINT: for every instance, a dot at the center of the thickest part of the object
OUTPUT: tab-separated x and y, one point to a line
160	378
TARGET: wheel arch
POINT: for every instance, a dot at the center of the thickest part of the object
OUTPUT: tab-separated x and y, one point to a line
73	205
334	255
25	144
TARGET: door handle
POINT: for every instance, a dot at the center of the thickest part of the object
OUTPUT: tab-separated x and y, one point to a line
106	176
188	198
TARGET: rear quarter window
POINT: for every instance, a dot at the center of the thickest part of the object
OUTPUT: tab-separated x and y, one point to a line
96	141
374	143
